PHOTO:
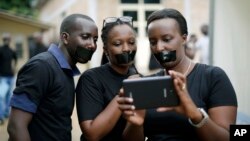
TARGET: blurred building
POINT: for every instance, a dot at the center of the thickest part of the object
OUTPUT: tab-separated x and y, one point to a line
20	29
229	21
230	45
53	12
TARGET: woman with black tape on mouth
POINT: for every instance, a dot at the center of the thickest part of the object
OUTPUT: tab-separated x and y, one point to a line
97	89
208	103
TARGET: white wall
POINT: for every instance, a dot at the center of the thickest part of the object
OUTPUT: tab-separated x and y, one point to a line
231	45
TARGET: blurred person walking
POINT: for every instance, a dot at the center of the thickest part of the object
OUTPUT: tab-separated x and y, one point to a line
203	45
190	47
8	61
38	45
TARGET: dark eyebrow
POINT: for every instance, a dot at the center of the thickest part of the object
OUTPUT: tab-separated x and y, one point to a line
85	33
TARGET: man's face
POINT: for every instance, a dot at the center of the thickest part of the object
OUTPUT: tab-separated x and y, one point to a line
81	42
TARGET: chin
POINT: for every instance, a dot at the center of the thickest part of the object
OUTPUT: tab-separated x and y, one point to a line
82	61
168	64
126	65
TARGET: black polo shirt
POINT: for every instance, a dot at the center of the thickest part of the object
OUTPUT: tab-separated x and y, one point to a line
45	87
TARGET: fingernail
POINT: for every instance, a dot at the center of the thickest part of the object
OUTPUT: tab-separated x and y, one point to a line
132	107
130	100
169	72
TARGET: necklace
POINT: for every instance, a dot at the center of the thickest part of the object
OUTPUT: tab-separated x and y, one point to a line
188	68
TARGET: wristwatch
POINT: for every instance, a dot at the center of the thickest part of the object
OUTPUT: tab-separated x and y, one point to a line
205	118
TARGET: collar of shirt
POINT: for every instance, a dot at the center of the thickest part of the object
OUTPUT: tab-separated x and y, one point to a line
55	51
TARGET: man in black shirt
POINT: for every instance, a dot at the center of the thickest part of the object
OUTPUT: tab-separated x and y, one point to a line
43	99
7	57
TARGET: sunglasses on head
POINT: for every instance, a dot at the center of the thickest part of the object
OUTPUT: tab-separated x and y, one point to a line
126	19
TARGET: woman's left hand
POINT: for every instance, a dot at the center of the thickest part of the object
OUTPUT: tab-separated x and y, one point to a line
186	106
128	110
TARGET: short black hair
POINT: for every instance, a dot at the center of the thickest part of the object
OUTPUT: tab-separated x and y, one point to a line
69	21
169	13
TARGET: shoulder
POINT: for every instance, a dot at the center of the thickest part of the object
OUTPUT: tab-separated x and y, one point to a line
209	69
208	72
40	63
215	71
102	70
214	75
45	57
91	74
92	71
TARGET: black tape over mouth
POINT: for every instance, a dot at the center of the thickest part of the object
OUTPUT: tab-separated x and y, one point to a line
83	53
166	56
125	58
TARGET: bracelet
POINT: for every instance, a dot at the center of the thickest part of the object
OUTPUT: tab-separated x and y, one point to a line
203	121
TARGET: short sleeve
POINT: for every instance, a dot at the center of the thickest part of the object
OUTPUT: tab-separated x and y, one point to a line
33	80
89	98
222	92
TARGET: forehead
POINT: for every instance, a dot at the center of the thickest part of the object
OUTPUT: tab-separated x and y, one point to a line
85	26
163	26
120	31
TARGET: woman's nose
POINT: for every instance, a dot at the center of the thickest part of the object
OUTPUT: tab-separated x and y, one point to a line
159	46
125	48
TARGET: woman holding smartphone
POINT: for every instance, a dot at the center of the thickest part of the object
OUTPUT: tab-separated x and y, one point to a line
208	103
97	89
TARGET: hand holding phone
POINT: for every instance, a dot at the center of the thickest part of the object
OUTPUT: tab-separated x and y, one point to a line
151	92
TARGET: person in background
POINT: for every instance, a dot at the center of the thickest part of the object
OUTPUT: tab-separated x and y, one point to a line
38	45
208	103
203	45
8	61
43	100
190	47
97	89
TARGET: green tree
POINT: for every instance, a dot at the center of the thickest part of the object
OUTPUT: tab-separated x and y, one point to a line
19	7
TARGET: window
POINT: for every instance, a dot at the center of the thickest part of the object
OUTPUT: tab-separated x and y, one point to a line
136	29
147	13
129	1
139	10
131	13
152	1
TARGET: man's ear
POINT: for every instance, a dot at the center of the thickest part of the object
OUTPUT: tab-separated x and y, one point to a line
64	37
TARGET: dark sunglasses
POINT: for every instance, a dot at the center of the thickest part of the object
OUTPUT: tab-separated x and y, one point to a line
126	19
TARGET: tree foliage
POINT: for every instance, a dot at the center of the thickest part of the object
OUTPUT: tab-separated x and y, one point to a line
19	7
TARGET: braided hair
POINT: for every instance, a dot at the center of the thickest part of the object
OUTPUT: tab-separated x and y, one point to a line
108	27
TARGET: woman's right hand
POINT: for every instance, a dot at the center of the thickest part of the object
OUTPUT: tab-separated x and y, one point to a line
128	110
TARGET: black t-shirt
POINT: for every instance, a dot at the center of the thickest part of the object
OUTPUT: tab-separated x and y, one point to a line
51	88
7	55
95	89
208	87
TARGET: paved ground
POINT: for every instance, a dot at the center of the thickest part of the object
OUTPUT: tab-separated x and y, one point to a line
76	132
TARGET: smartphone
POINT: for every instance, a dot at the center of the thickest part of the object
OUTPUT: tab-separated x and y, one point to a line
151	92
